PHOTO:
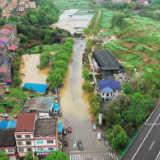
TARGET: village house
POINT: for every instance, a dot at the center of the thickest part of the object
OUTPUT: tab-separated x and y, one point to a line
42	105
142	2
5	72
107	89
24	133
37	135
3	3
7	143
23	7
127	1
45	137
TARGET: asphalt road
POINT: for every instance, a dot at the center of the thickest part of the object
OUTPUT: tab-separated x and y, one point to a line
147	144
75	109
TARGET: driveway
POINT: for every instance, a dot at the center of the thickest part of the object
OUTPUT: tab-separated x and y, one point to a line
75	110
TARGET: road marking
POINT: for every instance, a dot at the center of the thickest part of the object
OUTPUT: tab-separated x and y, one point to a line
157	158
151	145
74	144
145	137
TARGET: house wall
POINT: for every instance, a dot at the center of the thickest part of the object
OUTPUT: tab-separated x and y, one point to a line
45	142
8	150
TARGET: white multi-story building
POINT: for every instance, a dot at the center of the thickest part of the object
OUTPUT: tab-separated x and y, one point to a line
24	133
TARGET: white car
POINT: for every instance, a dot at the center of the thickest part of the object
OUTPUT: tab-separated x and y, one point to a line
94	127
5	115
99	136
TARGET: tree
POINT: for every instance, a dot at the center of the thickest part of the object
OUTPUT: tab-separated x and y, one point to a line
29	156
86	31
85	74
46	39
54	77
23	38
60	71
57	155
17	81
33	19
69	40
40	48
117	129
61	64
11	18
3	156
87	86
128	89
121	141
133	5
63	57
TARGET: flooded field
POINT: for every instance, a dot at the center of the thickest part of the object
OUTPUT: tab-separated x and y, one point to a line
29	69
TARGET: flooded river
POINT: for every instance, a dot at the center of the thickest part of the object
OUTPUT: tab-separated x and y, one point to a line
29	69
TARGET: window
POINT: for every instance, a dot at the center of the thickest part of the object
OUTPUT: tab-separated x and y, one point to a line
29	149
28	143
40	149
51	149
10	150
2	150
19	143
21	150
19	136
107	94
49	141
40	142
27	136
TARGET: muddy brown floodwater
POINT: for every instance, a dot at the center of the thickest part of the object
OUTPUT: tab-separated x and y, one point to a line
73	99
29	69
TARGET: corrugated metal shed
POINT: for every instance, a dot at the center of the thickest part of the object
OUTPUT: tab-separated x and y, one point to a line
4	39
4	43
12	124
4	70
4	31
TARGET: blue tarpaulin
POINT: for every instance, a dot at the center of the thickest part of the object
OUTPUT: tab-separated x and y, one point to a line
60	126
56	107
40	88
4	43
12	124
5	62
4	124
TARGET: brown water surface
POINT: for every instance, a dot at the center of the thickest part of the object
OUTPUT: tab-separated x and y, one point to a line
31	73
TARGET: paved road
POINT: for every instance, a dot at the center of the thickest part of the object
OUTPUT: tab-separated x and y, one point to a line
147	144
75	108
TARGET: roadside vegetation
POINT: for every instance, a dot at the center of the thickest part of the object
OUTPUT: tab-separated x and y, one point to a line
136	46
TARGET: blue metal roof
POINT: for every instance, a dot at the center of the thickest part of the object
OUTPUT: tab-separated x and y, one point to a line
109	83
107	90
4	124
11	24
5	62
40	88
60	126
56	107
4	43
12	124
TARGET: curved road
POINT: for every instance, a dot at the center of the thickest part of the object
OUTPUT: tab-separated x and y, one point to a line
75	110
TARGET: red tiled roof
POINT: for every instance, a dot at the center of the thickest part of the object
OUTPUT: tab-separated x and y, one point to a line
4	31
4	39
2	45
12	47
4	70
7	27
25	122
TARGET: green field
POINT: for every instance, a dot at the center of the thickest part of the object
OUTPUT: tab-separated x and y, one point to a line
137	44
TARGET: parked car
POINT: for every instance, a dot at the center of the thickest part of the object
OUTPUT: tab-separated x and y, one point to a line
99	136
94	127
80	145
69	129
15	116
5	115
64	131
65	143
